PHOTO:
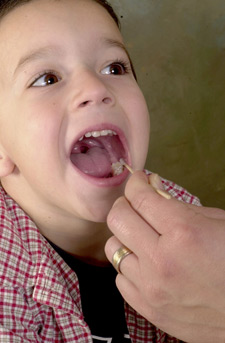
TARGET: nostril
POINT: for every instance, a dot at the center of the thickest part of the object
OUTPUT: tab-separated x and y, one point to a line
84	103
107	100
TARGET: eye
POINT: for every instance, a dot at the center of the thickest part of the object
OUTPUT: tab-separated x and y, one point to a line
46	79
116	68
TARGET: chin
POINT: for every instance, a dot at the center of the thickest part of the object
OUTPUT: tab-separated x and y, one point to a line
97	209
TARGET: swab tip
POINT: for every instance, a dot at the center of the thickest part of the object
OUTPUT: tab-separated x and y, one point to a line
126	165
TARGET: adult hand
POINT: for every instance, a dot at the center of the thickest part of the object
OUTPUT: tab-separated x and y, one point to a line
175	277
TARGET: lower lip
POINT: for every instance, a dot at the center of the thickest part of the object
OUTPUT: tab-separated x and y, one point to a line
113	181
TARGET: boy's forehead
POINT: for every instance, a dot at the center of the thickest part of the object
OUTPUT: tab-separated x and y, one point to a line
29	14
38	27
37	6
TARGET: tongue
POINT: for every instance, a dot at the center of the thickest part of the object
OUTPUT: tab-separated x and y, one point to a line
94	162
94	156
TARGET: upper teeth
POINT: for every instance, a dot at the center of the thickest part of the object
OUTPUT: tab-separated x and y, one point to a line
98	134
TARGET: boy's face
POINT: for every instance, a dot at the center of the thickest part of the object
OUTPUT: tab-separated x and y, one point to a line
61	77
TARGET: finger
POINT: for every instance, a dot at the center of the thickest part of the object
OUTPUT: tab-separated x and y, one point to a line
130	228
209	212
128	290
129	265
170	320
152	207
134	298
162	214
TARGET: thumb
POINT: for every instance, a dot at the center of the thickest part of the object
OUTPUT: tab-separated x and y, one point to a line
155	181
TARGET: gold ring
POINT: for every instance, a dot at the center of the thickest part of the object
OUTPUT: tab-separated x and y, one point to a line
118	256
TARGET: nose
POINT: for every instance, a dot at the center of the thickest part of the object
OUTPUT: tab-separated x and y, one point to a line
92	90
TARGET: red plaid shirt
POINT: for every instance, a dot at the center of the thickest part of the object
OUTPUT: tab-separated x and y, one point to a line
39	293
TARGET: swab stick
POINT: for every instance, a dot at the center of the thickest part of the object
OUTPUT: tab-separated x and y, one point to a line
159	191
163	193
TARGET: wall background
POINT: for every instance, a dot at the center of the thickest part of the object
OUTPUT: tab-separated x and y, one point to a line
178	50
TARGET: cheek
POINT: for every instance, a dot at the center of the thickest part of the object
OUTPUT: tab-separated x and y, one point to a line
42	121
140	129
37	133
140	119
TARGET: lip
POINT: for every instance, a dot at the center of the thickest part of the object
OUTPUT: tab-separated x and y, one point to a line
105	182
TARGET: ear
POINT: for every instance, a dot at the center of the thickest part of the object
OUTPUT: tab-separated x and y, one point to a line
6	165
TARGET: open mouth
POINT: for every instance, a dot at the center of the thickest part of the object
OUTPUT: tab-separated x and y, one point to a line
98	154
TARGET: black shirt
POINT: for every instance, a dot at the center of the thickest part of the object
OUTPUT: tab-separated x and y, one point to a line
102	304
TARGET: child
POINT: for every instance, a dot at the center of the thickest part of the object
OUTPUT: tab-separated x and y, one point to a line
70	110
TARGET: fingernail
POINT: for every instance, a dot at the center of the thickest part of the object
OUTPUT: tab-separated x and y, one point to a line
156	182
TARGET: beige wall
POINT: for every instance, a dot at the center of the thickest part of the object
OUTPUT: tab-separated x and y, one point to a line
178	49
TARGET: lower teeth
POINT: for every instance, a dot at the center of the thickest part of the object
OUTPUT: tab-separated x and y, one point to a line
117	168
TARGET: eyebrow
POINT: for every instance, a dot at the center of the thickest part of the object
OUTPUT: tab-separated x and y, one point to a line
41	53
36	54
115	43
118	44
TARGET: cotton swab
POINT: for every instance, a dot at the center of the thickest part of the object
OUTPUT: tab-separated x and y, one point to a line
126	165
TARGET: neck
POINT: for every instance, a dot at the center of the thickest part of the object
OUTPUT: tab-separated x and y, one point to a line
87	245
77	236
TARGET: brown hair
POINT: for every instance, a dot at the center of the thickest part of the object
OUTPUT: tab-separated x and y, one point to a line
8	5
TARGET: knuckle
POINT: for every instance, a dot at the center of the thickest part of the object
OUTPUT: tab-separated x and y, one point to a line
185	233
159	297
116	222
155	293
166	265
140	202
186	236
167	271
114	213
